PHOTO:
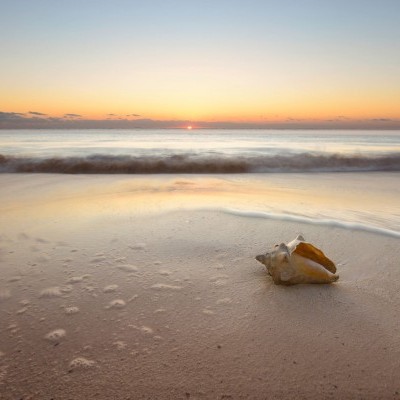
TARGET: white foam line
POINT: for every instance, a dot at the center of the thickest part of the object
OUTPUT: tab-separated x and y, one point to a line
310	221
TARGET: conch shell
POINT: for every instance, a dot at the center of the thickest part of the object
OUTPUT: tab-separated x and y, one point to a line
298	262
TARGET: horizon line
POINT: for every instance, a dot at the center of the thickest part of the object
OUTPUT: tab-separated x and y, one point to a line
36	120
282	128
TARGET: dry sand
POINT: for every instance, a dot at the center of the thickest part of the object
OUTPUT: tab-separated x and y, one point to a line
99	300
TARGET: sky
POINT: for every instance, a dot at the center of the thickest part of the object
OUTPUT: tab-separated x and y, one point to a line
204	63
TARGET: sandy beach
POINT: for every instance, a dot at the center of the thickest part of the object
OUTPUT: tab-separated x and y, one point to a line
131	295
199	200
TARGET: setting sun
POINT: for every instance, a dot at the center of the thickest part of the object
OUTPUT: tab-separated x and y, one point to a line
189	127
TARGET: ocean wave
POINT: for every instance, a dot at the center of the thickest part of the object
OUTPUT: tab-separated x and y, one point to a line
199	164
333	223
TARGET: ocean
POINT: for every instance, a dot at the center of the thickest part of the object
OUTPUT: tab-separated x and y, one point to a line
346	178
197	151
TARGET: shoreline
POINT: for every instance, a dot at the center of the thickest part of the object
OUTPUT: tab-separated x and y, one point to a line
324	198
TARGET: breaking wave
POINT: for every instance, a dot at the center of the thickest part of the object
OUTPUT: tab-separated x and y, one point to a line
198	164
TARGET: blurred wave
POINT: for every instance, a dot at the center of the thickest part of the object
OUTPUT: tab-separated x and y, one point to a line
314	221
198	164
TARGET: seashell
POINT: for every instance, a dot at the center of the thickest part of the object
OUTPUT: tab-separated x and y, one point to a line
298	262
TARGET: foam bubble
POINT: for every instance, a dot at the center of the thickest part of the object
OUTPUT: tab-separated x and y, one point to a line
219	280
76	279
164	272
22	310
120	345
163	286
128	268
117	303
110	288
71	310
81	363
225	300
218	277
56	335
146	330
66	289
134	297
13	328
55	291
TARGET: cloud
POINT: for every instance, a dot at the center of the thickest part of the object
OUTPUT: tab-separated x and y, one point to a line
36	120
290	119
72	115
10	116
122	116
339	118
36	113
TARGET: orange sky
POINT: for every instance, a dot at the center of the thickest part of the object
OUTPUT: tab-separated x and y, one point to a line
260	64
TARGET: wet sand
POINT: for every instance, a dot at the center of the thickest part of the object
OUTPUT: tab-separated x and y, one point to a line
100	299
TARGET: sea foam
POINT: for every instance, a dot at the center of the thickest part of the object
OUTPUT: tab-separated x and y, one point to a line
312	221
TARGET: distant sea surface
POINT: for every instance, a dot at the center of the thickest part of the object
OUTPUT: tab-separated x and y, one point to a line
338	178
197	151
